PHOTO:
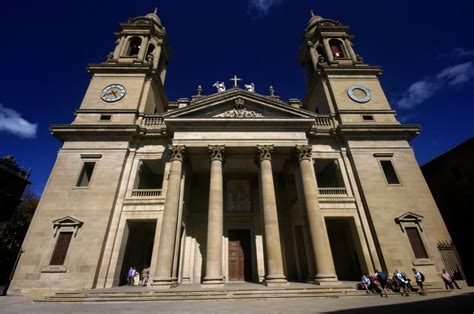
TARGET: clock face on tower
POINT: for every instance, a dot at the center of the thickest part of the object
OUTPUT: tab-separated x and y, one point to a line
112	93
359	94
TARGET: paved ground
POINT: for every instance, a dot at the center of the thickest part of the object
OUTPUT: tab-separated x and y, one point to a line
460	301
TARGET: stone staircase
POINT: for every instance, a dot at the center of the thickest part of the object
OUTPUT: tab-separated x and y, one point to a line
196	292
139	294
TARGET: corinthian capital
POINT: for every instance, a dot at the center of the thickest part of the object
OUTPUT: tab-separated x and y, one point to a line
216	152
177	152
264	152
303	152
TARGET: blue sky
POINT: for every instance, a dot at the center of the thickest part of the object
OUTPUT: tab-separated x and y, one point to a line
426	49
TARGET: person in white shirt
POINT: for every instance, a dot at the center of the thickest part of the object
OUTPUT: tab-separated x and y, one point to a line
419	277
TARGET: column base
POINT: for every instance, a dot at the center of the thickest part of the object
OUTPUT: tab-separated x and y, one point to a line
326	280
276	281
213	282
164	282
310	279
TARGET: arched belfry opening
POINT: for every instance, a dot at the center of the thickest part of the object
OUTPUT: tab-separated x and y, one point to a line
337	49
134	46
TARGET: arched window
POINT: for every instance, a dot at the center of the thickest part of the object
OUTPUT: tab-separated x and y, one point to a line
134	46
149	53
336	48
150	49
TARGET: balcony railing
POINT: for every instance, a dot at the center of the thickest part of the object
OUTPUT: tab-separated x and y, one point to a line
325	122
146	193
332	191
153	121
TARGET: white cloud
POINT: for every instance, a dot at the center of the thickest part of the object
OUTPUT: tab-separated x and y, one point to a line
453	76
458	74
11	121
462	53
262	7
417	93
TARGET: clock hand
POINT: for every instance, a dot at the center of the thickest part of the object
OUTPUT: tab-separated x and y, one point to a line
114	93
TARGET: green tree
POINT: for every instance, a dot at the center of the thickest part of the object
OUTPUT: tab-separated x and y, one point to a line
14	233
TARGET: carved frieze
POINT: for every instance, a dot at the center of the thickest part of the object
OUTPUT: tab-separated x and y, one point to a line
239	113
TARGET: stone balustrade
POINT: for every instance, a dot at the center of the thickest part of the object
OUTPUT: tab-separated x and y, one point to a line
332	191
153	121
324	121
146	193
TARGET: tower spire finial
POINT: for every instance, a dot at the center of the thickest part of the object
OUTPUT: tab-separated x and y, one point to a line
156	10
311	12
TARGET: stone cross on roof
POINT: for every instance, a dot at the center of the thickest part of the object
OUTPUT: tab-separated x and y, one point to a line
235	79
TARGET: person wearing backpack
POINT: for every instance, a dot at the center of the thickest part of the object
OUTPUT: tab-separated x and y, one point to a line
420	278
382	278
398	276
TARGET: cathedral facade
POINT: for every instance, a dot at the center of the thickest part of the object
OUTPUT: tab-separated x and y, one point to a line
232	186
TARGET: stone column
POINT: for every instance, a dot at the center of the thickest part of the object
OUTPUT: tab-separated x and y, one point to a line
305	226
275	275
324	265
215	221
164	268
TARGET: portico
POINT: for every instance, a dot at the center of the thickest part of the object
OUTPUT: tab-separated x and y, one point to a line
261	218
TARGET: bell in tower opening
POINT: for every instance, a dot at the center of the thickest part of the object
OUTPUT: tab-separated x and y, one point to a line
336	48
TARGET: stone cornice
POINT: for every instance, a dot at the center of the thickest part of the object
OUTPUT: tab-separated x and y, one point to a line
350	70
393	131
114	110
365	111
73	132
135	68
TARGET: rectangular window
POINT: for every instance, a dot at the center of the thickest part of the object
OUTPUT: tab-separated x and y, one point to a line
105	117
389	172
368	117
86	174
416	242
61	248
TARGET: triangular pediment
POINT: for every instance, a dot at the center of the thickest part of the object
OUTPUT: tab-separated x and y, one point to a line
67	221
409	217
238	104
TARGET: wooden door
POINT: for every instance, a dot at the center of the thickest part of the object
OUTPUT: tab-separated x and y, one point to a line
239	255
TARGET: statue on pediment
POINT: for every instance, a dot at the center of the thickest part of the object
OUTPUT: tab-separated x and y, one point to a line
250	87
220	86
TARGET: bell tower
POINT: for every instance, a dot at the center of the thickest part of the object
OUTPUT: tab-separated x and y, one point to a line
130	82
338	81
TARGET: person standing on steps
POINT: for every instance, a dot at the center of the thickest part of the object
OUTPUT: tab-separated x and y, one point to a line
382	278
420	278
145	275
448	283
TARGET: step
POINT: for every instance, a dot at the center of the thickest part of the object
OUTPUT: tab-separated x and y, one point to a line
119	295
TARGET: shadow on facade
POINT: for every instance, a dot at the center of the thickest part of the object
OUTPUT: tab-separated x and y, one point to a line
452	304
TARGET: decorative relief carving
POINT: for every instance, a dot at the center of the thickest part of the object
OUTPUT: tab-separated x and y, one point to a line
303	152
216	152
238	195
264	152
177	152
239	111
